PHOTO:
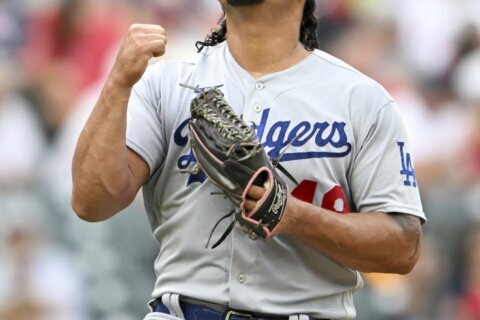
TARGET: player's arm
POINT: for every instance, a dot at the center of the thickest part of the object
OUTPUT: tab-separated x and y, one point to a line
368	242
106	174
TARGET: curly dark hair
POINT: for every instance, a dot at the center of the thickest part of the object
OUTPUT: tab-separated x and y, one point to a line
308	30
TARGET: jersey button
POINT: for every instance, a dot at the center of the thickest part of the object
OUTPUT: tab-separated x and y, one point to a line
257	108
259	86
241	278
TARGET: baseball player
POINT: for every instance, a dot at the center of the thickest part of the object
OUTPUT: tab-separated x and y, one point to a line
356	207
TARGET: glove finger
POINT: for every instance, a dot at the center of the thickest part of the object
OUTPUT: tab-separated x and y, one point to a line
242	174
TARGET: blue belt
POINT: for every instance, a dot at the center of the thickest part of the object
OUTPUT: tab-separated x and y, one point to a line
193	311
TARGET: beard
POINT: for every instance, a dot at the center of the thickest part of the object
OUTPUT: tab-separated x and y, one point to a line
243	3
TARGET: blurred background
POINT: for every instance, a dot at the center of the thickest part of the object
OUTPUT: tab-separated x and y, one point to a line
54	55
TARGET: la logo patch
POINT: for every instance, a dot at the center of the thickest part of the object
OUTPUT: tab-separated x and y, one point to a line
407	166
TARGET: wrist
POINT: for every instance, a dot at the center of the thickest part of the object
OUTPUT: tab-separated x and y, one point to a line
118	82
115	90
292	217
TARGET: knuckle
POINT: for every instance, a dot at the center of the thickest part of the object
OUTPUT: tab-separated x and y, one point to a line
159	27
134	27
137	41
137	45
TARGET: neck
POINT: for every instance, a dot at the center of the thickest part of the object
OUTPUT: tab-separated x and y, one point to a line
263	39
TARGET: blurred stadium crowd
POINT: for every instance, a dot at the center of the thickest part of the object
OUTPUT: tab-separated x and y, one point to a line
54	55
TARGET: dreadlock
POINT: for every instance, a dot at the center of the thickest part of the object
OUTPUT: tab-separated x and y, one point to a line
308	30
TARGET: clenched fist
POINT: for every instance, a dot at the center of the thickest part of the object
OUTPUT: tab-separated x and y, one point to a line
143	42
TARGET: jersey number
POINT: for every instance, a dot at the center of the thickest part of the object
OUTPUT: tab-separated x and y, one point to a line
333	200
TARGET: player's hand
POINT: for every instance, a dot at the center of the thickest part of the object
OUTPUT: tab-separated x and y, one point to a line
143	42
255	193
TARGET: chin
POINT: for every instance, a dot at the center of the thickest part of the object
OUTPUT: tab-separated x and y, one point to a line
240	3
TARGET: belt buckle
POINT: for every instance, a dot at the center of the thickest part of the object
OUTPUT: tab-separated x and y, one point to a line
232	313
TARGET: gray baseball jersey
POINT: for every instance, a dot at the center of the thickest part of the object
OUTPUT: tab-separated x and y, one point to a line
350	154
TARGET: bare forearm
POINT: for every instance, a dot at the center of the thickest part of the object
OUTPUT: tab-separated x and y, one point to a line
106	175
101	173
368	242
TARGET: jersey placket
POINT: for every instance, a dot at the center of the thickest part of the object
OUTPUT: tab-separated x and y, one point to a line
244	263
255	103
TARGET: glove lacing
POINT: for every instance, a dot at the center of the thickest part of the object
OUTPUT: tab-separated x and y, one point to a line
233	129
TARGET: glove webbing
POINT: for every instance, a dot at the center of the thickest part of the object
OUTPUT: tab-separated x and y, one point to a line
235	132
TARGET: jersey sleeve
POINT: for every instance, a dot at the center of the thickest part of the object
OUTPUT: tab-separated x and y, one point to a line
383	176
145	135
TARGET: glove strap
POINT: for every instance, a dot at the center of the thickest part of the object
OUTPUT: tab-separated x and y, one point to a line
225	234
285	172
